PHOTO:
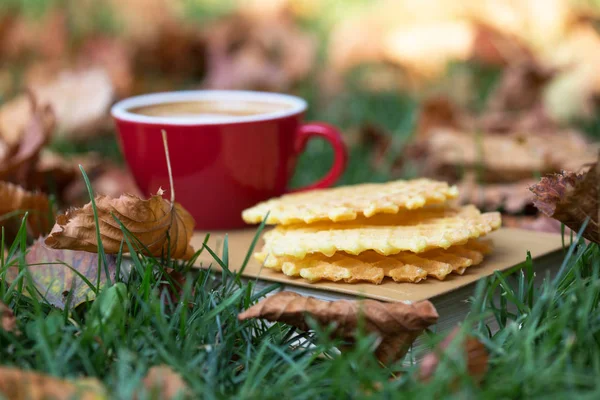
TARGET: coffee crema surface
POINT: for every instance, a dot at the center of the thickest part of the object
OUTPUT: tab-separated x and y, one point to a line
210	109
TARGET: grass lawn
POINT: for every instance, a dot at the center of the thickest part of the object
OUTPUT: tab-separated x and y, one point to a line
549	346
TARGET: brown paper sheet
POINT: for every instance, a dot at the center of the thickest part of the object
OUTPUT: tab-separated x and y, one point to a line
510	249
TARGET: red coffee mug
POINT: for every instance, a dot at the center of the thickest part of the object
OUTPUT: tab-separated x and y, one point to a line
222	164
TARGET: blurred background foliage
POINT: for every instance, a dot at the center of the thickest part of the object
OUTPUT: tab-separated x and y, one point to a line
390	74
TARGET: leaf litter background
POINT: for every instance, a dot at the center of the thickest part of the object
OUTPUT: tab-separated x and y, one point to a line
489	95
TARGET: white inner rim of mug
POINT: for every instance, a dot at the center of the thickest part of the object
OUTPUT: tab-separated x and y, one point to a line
120	110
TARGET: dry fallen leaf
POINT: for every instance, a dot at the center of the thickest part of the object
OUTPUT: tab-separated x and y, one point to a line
80	100
268	52
571	198
55	172
494	47
507	157
24	143
61	286
115	56
521	86
396	324
437	112
475	352
539	223
108	179
17	200
164	383
16	384
162	227
512	197
47	37
7	318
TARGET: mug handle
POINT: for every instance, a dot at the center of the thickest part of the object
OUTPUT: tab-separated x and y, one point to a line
340	155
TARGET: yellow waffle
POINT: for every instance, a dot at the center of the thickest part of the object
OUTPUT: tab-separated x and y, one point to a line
372	267
415	231
350	202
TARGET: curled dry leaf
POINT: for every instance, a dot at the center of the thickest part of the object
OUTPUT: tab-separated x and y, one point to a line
17	200
164	383
396	324
23	145
470	347
16	384
80	100
157	224
8	319
50	274
571	198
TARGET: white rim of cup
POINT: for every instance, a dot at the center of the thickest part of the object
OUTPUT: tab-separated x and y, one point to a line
120	110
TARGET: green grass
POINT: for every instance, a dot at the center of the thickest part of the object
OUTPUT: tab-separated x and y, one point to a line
548	342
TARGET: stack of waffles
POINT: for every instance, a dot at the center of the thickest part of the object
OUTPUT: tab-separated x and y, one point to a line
404	230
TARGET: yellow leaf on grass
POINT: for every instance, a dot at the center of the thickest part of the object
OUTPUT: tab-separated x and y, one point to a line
160	226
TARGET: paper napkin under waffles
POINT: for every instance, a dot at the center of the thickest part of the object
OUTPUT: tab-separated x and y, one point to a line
405	230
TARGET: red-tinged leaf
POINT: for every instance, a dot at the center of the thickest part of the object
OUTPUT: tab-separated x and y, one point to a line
571	198
59	284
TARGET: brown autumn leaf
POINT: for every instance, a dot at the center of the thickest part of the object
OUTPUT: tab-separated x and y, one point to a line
162	227
17	201
508	157
107	179
164	383
115	56
7	318
521	86
396	324
470	347
178	52
437	112
17	384
538	223
260	52
55	172
571	198
494	47
80	100
512	197
24	144
46	37
60	285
